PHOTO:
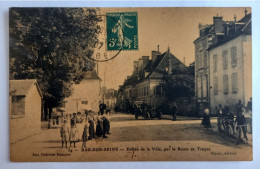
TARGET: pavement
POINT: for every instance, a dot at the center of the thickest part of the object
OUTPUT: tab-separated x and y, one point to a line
135	140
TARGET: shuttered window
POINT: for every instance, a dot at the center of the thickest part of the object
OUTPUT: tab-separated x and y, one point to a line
234	56
234	82
215	85
225	84
225	59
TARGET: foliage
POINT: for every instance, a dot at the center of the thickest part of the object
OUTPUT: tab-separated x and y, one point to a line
52	45
180	85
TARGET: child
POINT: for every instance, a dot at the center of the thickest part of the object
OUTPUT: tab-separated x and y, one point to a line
85	136
73	135
64	133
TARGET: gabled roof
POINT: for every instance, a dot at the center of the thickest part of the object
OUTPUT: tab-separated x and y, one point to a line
22	86
159	62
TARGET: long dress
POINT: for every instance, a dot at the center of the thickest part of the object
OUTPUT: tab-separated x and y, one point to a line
73	133
65	132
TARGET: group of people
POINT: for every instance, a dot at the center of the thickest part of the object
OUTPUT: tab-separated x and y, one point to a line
240	119
84	126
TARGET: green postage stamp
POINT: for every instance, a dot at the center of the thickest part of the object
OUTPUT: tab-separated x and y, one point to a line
122	32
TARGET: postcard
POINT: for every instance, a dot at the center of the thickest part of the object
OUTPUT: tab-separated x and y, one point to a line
130	84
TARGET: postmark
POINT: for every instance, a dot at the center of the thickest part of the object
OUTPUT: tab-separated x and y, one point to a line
100	52
122	35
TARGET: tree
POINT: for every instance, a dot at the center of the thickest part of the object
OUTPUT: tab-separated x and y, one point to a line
52	45
180	85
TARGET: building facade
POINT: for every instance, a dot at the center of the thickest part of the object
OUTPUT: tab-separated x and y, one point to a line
109	97
147	79
25	108
86	95
231	67
215	48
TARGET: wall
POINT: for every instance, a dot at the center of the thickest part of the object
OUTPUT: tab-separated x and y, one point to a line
244	76
31	123
87	90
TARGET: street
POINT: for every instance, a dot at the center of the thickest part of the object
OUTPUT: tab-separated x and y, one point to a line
131	139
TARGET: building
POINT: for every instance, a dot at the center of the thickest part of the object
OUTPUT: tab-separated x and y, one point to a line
86	95
145	84
211	36
201	64
109	97
25	108
230	62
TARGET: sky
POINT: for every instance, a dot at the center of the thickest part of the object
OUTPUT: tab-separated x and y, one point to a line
175	28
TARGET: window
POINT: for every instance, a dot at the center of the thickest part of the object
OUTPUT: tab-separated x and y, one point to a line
225	84
84	102
234	56
215	63
199	87
204	87
215	85
225	59
18	106
234	82
205	59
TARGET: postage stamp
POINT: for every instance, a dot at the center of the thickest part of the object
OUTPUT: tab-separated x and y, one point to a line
122	31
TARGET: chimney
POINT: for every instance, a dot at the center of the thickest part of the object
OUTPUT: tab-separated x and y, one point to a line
154	56
135	65
158	47
145	60
140	64
235	18
218	25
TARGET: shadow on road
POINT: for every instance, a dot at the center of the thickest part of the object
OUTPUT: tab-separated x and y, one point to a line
171	132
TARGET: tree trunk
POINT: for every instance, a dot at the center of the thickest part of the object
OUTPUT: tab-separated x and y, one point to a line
46	113
50	112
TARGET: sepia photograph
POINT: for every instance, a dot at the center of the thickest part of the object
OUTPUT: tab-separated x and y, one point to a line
130	84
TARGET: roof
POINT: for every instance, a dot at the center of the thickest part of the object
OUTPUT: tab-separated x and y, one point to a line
91	75
160	58
243	26
22	86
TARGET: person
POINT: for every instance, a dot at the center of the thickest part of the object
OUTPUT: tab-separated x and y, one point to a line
174	111
241	122
220	114
206	119
64	133
239	107
80	125
73	135
249	115
102	107
91	121
106	123
229	119
249	104
99	127
73	120
85	136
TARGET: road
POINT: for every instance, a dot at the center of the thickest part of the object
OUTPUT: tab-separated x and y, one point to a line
134	140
